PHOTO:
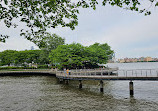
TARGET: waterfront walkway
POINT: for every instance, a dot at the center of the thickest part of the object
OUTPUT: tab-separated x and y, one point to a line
93	74
109	74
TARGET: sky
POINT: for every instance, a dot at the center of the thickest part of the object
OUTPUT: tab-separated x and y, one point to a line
130	34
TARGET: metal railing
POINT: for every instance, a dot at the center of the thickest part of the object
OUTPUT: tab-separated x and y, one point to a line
138	73
111	72
87	72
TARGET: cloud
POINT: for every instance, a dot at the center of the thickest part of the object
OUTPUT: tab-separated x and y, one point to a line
139	31
17	43
153	48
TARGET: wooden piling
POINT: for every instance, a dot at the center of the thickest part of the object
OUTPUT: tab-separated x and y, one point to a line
131	88
80	84
101	86
66	81
60	80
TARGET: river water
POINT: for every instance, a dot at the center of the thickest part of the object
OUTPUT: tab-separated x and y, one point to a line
44	93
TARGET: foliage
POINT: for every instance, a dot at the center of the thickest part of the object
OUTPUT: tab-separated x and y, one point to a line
9	57
40	15
8	68
77	56
50	42
47	44
42	66
43	57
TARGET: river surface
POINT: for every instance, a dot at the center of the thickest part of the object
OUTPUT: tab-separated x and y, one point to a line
44	93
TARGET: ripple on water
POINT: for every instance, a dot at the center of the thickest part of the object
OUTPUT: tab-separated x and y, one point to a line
38	93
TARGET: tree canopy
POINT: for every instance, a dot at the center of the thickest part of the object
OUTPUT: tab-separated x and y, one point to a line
40	15
77	56
50	42
9	57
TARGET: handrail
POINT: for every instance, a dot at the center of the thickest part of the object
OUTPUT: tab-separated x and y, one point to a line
109	73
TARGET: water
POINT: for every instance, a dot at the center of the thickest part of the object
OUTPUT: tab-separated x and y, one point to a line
44	93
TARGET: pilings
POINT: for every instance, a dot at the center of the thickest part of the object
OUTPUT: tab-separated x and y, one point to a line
101	86
80	84
60	80
131	88
66	81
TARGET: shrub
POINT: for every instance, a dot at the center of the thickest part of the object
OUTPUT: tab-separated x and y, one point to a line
42	66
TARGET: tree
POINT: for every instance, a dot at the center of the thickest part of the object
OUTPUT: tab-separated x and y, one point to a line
47	44
7	57
40	15
50	42
102	52
76	56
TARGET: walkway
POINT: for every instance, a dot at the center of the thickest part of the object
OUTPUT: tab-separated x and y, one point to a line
109	74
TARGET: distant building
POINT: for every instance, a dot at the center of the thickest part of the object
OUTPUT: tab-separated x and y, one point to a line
121	60
32	48
147	59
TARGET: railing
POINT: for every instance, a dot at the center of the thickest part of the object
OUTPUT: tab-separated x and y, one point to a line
111	72
87	72
139	73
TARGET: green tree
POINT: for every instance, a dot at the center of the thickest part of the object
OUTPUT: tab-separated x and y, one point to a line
33	56
43	57
19	57
76	56
67	55
50	42
101	53
39	15
7	57
47	44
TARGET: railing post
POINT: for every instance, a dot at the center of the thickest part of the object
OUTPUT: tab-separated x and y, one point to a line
141	72
146	73
101	72
132	72
95	73
80	72
124	72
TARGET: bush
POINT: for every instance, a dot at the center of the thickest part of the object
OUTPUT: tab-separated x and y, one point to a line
42	66
6	68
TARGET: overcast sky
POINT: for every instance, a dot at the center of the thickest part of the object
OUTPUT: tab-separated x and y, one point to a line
130	34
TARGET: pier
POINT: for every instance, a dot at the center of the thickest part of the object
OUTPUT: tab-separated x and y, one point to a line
99	74
110	74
